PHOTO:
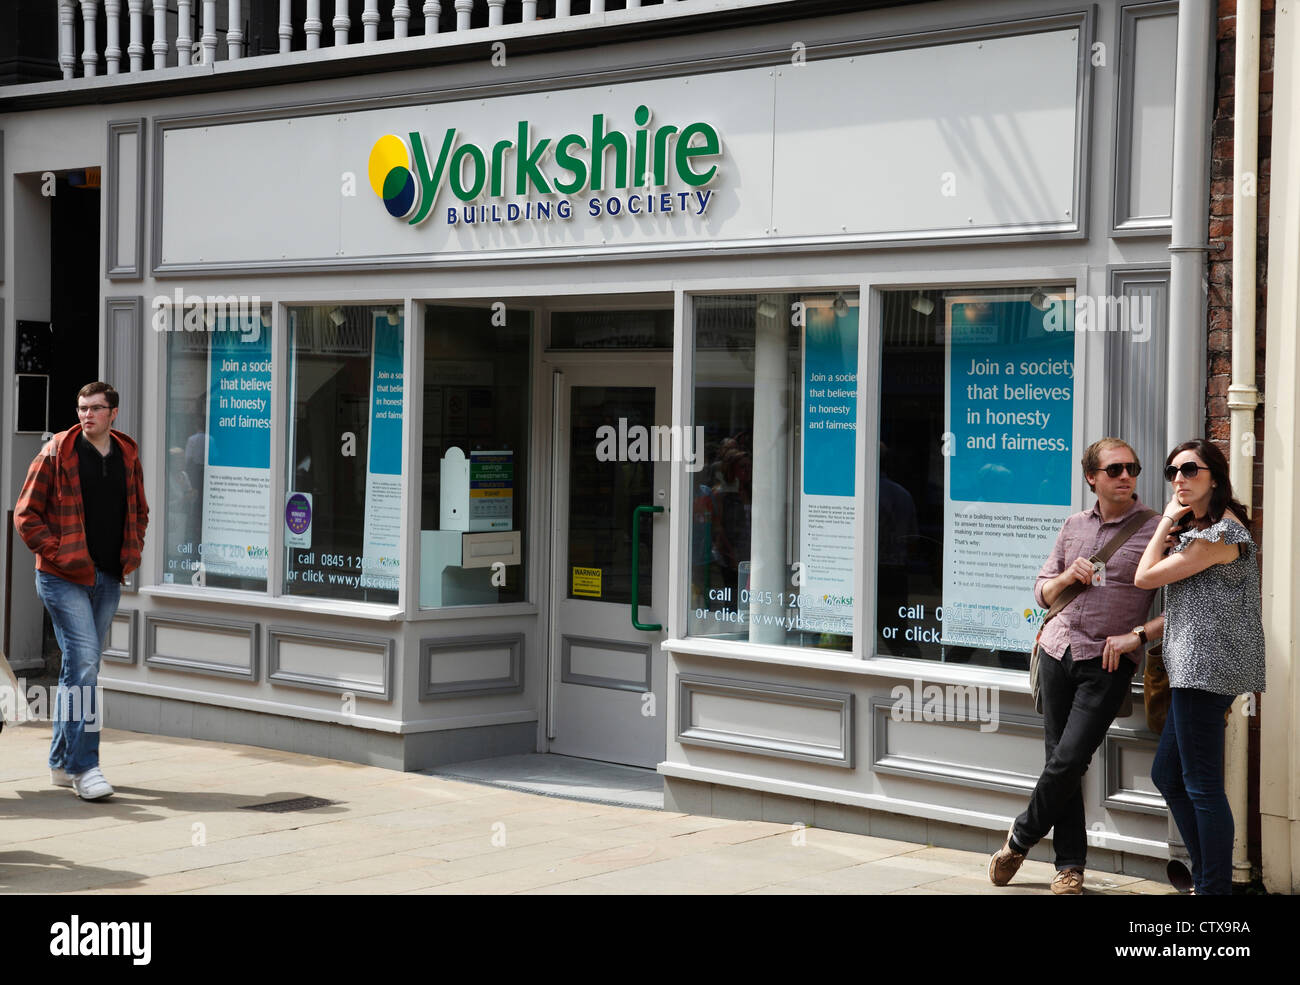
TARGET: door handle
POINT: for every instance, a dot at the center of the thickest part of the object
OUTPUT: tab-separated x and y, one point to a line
636	567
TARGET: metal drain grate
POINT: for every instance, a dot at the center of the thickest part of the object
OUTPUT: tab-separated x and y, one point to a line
285	806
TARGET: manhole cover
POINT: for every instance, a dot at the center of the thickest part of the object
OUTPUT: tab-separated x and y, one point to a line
285	806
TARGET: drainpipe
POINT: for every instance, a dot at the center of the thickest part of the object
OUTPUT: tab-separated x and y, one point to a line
1189	215
1242	395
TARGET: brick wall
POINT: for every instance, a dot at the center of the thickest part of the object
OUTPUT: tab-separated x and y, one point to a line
1219	352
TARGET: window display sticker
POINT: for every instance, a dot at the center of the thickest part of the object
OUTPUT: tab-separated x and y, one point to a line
1009	453
586	582
297	520
491	490
827	510
237	476
382	529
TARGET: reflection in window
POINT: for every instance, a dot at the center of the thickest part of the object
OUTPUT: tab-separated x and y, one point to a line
474	495
773	509
342	513
218	441
975	460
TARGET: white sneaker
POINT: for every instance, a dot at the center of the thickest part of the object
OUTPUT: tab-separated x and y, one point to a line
91	785
60	778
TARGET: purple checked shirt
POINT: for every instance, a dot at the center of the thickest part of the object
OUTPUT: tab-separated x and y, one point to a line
1099	610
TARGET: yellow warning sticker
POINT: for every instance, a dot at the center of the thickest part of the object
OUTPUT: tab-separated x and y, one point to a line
586	581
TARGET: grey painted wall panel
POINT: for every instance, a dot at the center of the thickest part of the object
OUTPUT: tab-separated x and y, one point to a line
124	206
471	666
1137	371
339	663
1142	193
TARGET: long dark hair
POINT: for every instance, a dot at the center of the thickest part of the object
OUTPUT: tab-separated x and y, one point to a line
1221	498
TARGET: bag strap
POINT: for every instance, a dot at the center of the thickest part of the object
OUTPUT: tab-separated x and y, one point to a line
1072	591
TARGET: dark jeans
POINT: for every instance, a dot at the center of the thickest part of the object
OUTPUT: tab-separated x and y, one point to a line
1188	770
1080	701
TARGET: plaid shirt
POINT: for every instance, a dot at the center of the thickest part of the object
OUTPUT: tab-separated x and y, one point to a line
49	516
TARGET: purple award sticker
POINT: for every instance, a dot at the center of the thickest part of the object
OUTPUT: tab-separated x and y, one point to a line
297	513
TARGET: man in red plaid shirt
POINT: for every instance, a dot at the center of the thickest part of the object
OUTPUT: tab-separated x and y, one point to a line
83	513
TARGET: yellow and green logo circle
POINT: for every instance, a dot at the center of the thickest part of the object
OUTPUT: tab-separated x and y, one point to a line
390	175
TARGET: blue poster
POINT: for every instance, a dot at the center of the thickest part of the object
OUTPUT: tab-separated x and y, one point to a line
1011	404
237	479
1010	455
827	508
382	525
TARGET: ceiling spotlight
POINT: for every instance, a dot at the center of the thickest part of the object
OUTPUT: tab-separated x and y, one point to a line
767	309
393	315
840	306
1040	299
337	317
921	304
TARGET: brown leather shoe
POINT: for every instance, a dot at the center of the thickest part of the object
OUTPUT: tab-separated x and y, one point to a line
1005	863
1068	882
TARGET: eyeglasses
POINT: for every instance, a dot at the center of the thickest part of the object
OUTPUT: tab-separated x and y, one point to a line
1132	468
1190	470
93	409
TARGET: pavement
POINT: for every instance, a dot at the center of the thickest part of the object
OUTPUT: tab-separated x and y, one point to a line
178	824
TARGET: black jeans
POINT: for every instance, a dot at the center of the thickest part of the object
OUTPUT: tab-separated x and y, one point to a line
1080	701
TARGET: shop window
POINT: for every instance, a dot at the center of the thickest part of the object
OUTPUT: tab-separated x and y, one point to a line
474	494
775	402
218	443
976	467
343	482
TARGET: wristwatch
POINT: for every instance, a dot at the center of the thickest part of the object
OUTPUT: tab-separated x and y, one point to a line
1141	634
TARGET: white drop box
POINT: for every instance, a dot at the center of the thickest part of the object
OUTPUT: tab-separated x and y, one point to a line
456	566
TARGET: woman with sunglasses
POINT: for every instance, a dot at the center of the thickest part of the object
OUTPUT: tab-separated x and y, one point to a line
1213	648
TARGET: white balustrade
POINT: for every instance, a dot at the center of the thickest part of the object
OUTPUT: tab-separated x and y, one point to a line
89	54
135	48
159	33
312	25
286	26
184	27
341	23
208	41
68	37
234	30
113	36
463	9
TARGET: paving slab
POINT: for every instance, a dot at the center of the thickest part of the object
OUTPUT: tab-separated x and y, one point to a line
179	824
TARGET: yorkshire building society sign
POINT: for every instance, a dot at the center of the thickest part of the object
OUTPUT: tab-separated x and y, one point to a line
748	159
613	172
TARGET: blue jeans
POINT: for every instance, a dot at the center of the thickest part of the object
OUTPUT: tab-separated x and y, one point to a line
81	615
1188	771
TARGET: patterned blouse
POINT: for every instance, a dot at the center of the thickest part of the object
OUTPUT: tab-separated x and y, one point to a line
1214	632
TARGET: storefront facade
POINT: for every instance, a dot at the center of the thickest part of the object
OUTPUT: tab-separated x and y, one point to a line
544	404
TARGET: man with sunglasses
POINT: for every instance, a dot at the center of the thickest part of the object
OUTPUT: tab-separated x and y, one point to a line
83	513
1089	652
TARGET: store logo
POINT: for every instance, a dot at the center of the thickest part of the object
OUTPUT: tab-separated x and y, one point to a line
257	551
409	179
1034	616
391	177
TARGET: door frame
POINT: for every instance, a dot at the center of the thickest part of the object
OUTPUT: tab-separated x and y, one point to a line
554	364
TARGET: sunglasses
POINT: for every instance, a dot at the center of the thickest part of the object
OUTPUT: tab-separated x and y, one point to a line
1114	471
1190	470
